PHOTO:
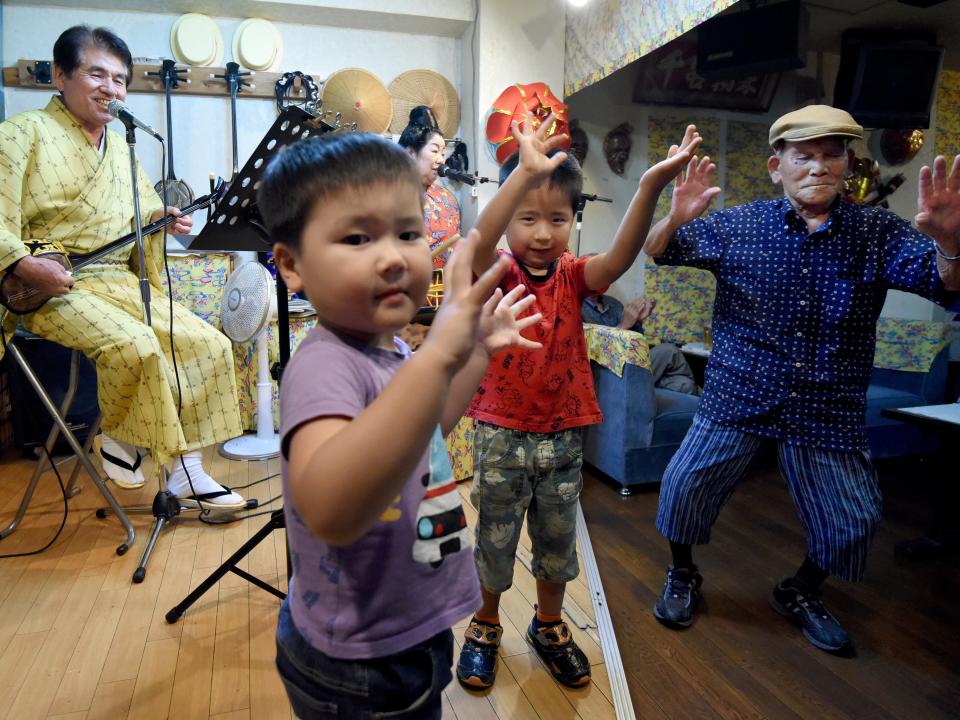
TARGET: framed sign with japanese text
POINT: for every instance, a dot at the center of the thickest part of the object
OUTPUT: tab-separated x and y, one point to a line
669	76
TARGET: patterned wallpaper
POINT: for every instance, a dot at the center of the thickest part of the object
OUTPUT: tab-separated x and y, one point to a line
947	139
747	152
609	34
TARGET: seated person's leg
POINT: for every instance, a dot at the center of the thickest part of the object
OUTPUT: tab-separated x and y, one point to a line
670	369
208	412
101	318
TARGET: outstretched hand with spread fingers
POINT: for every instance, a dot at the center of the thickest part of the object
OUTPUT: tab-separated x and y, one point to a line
938	204
535	146
693	189
455	328
500	327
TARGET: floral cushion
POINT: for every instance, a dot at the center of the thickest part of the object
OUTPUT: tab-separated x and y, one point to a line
910	345
684	303
615	347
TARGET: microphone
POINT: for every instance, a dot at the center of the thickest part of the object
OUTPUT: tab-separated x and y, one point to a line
123	114
449	172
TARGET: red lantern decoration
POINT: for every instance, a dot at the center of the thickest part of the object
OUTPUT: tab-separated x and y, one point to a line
513	104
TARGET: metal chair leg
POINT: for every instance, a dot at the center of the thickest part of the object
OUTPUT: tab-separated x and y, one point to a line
82	457
44	459
72	488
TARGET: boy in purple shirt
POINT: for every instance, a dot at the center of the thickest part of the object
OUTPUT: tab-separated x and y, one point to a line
377	535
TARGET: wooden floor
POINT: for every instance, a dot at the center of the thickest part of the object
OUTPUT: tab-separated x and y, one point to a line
740	659
78	640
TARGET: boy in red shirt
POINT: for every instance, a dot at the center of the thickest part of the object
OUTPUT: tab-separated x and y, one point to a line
532	405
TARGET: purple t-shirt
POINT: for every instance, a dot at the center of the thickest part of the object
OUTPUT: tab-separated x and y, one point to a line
411	575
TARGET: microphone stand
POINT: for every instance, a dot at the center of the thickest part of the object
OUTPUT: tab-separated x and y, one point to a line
141	255
581	204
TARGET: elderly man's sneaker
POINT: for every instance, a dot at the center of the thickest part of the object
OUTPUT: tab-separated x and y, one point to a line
680	597
804	607
562	656
477	666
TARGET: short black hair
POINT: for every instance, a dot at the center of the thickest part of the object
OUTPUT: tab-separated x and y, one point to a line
567	176
69	47
307	172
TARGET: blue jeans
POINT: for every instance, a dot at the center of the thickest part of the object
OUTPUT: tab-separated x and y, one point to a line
405	686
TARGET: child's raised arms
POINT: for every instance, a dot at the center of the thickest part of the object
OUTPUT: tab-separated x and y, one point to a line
533	168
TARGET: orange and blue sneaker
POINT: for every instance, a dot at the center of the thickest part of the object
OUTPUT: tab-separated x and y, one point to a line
477	667
558	651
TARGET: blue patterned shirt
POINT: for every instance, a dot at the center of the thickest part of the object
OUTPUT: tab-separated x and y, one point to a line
794	322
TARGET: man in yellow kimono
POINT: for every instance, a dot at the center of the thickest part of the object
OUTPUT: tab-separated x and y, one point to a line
65	178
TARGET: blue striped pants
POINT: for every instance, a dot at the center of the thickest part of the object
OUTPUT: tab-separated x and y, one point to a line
835	493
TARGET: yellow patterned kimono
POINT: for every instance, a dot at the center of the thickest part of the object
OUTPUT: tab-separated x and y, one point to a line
54	186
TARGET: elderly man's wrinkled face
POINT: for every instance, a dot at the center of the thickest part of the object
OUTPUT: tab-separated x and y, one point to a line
811	171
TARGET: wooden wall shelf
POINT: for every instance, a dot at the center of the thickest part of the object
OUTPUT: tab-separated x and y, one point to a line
199	81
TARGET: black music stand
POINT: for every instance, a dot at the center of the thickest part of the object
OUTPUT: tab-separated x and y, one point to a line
236	225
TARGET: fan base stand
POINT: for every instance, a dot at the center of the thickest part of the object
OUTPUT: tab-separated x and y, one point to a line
251	447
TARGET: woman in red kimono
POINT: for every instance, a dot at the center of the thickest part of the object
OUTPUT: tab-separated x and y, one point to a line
441	211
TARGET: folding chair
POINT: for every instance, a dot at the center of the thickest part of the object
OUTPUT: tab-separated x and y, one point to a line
81	452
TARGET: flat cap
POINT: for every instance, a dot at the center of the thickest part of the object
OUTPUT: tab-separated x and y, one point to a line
814	121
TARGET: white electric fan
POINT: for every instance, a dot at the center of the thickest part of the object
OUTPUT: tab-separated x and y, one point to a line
249	304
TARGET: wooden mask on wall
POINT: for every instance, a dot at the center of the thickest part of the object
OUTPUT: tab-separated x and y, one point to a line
616	147
579	144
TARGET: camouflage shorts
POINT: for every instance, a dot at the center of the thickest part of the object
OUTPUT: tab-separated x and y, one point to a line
537	474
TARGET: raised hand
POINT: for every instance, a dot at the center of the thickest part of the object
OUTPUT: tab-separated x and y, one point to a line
636	311
454	330
938	204
535	145
693	190
499	326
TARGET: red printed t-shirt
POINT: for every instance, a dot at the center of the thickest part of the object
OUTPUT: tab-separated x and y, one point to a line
549	389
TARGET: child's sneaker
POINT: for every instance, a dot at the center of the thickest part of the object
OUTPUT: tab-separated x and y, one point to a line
477	667
556	647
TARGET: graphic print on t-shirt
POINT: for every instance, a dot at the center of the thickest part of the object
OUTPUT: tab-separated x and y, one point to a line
441	524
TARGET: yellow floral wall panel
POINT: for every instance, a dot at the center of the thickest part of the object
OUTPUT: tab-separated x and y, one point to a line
947	138
747	178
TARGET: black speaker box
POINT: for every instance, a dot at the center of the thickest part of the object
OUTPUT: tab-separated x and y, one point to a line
51	364
759	41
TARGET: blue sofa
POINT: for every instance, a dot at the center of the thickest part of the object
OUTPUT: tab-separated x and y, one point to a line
899	388
643	425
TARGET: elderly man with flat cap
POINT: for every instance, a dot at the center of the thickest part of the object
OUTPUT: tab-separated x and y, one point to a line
800	284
